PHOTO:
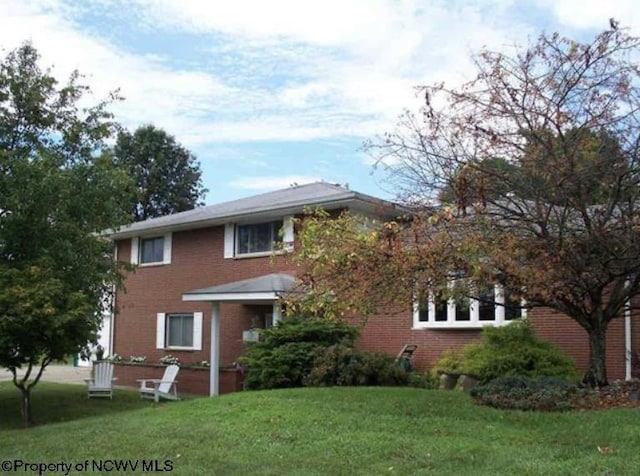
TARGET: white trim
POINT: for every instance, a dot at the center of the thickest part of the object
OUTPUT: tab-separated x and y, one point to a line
135	249
265	296
160	330
258	254
277	313
166	252
474	314
628	351
229	239
197	330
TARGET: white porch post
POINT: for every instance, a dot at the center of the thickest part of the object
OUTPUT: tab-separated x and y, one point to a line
214	370
277	312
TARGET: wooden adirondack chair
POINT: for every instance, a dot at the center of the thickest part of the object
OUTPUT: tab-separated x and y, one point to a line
161	388
101	384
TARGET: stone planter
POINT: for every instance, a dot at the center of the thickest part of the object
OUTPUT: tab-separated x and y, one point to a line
467	382
448	381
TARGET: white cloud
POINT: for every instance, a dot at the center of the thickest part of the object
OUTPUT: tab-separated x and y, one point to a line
285	70
587	14
271	183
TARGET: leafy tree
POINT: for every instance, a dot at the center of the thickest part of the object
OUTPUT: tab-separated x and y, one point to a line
167	175
57	192
558	220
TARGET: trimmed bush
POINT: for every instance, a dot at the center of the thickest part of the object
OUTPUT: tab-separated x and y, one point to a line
524	393
287	351
341	365
450	362
512	350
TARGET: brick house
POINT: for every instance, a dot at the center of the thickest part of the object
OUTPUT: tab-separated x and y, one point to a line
209	275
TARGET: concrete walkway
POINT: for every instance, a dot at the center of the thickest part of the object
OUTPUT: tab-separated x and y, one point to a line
57	373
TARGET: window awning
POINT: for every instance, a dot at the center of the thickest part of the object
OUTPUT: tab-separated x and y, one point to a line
263	288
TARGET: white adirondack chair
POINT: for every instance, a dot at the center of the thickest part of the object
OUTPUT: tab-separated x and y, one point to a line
161	388
101	384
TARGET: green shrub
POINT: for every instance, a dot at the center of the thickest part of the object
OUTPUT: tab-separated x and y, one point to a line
512	350
524	393
341	365
428	380
450	362
285	355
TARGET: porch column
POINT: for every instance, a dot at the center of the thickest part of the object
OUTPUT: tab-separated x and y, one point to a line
277	312
214	370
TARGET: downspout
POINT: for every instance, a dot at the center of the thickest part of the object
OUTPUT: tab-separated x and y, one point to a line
628	353
112	327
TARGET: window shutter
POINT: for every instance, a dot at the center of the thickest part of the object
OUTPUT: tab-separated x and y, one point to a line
229	240
288	229
197	330
288	233
134	250
160	327
166	255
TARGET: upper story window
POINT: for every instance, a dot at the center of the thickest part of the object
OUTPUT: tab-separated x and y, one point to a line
494	306
255	239
151	250
258	237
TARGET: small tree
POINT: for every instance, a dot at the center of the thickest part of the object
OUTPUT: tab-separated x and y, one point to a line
167	176
57	192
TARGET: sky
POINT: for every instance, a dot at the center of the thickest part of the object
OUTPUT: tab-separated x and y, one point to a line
268	94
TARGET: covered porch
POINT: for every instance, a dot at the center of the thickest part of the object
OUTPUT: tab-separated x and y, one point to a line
264	292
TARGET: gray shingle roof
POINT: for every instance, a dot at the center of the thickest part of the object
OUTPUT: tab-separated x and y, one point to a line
270	283
286	201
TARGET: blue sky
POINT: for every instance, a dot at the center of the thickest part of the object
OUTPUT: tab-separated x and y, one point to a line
271	93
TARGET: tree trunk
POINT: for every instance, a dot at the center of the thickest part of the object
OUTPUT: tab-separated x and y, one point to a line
596	376
26	406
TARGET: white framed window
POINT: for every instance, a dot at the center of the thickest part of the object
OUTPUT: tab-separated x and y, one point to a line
151	250
182	331
491	307
257	239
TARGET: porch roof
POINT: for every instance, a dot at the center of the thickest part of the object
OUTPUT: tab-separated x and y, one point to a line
263	288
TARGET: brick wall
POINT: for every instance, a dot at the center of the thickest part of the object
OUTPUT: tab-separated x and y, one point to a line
190	381
197	262
390	331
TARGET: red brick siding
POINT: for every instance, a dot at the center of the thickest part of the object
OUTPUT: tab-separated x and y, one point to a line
573	340
391	331
190	381
197	262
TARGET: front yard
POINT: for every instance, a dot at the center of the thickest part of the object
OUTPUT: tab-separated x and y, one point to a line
319	431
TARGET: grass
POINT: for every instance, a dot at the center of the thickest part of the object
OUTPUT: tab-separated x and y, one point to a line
320	431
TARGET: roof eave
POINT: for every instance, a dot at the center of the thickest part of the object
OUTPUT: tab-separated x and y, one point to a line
355	201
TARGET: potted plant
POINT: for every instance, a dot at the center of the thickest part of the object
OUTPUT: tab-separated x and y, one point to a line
449	367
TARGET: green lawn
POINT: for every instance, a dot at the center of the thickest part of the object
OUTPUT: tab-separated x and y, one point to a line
323	431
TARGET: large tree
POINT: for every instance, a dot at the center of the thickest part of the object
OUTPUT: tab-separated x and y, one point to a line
57	192
537	161
167	175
